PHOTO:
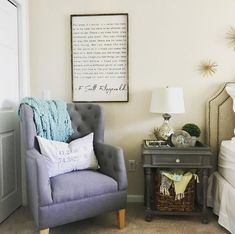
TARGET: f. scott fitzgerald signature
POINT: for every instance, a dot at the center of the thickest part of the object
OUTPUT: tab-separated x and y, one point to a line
103	88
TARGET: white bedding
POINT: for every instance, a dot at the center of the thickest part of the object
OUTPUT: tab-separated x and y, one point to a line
221	197
226	161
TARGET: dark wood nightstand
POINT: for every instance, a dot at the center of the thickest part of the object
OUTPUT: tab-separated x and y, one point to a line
155	158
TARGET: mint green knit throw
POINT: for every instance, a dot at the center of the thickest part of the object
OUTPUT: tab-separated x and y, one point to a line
51	118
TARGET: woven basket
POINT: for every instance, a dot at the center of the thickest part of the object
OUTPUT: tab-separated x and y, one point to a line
168	203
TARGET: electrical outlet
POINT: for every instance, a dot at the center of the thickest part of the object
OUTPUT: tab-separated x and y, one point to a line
131	165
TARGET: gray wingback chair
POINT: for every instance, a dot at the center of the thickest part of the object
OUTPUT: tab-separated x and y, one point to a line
79	194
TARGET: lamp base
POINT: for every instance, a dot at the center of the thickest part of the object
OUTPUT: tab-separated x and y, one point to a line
165	130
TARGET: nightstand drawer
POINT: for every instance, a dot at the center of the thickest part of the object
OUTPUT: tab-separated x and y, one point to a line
177	160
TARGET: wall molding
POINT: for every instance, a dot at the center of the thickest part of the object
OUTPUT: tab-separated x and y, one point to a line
24	80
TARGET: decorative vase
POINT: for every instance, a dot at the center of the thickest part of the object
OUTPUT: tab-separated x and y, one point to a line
193	141
165	131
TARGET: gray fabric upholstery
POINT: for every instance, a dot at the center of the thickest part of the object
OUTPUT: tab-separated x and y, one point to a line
81	184
112	163
38	176
67	212
28	127
76	195
87	118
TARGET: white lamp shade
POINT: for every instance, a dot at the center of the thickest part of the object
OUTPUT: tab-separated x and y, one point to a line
167	100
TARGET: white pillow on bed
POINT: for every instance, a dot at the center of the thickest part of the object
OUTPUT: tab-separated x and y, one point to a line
230	89
231	92
62	157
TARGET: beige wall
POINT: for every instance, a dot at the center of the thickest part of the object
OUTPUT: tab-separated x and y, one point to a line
167	41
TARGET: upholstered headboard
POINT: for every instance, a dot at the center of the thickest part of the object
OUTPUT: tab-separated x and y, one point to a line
220	121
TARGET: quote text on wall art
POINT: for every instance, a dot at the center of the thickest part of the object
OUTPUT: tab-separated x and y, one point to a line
100	57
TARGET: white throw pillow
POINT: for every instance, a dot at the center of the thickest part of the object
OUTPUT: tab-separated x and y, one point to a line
62	157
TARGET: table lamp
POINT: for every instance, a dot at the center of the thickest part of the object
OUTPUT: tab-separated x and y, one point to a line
169	100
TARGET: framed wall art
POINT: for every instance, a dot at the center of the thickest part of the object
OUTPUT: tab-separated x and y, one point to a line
99	45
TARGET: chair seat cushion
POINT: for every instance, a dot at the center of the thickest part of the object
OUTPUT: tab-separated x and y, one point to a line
80	185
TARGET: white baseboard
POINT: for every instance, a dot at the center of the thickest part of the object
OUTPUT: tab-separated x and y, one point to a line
135	198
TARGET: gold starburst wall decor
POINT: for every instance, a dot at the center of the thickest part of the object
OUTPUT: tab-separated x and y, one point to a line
231	37
208	67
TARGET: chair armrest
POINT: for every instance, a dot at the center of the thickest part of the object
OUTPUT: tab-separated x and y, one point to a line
111	161
38	181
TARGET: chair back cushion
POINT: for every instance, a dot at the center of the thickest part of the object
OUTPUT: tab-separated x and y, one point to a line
86	118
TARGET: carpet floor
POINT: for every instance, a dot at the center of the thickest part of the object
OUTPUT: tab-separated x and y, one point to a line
21	222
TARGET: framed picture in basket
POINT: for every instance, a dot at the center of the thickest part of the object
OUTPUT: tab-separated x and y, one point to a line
99	46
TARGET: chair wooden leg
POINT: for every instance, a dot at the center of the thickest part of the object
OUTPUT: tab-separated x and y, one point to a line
121	218
44	231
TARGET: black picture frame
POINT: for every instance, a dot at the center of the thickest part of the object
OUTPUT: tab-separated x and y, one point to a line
100	57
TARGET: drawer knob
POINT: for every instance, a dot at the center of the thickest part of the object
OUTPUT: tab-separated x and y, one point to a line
177	160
